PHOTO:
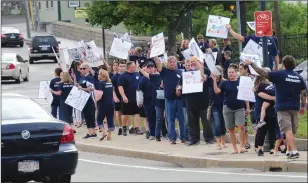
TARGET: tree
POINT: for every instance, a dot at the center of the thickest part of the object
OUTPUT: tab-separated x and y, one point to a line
142	15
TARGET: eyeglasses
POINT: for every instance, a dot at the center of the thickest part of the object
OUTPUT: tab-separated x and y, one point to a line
83	68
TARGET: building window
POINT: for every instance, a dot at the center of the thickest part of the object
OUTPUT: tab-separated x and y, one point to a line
47	4
39	5
51	4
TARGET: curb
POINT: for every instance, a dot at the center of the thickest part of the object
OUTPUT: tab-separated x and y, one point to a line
196	162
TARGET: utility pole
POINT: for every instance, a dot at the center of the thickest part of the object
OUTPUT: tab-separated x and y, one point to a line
37	14
104	43
277	23
264	41
28	19
238	15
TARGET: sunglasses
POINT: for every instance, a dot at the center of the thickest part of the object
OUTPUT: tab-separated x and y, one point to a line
83	68
200	38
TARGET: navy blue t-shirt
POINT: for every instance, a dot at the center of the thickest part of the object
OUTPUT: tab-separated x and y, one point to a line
146	87
216	100
129	82
107	98
288	89
272	49
270	90
95	76
84	79
225	67
114	81
156	80
66	89
203	46
111	75
230	89
171	80
54	85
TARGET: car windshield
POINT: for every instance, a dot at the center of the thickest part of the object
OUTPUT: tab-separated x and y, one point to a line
7	58
44	40
21	108
6	31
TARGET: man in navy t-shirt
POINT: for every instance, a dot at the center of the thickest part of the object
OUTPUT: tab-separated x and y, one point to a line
54	84
273	57
127	85
173	103
290	98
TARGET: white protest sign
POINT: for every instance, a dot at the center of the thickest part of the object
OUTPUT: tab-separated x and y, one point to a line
252	25
77	54
93	54
195	50
216	26
48	96
64	66
42	87
254	58
91	85
192	82
215	56
245	89
210	62
77	98
163	58
254	49
304	75
126	37
182	35
187	54
120	48
158	45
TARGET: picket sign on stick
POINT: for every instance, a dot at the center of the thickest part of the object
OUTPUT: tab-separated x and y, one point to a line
42	87
245	89
65	64
209	60
254	58
195	50
192	82
158	45
77	98
254	49
187	54
120	48
216	26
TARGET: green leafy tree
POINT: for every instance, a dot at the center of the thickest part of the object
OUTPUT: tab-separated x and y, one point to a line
142	16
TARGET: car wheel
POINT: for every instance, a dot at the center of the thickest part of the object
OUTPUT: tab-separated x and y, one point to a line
21	45
27	76
19	78
31	61
62	179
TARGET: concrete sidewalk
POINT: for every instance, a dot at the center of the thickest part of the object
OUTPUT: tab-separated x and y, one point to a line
200	156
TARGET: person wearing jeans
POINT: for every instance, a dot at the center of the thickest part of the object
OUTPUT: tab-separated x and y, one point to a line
173	102
55	105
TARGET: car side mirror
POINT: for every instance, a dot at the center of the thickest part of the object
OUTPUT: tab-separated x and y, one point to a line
59	42
27	43
26	61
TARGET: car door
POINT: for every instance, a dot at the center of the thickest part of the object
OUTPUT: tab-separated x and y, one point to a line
23	65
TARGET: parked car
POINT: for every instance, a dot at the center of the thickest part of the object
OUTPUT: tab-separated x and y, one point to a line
34	145
11	36
40	48
14	67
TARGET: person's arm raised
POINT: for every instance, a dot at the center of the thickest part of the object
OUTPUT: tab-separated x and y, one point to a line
234	34
158	64
259	70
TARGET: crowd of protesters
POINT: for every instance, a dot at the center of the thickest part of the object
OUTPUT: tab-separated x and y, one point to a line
167	114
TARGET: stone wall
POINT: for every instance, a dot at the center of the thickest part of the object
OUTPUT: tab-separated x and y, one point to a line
9	7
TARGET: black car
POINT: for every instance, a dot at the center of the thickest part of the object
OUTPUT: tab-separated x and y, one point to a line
42	48
11	36
34	145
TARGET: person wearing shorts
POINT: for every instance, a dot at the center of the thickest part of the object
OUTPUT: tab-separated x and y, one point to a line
116	93
233	109
127	85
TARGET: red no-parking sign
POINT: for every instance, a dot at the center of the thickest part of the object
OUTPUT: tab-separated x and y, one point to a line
263	21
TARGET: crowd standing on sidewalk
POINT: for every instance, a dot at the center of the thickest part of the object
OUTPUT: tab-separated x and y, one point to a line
144	92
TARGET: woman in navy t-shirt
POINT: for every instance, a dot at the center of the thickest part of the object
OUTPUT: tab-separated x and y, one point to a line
233	109
105	105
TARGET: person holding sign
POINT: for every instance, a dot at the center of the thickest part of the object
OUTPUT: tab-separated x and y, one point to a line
89	108
65	86
197	104
273	56
105	105
290	98
203	45
127	84
173	103
54	84
233	109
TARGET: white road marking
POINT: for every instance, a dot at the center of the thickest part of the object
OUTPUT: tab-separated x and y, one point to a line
192	171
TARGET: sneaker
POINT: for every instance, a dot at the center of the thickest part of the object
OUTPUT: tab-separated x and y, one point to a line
288	154
158	139
173	141
124	131
151	137
87	136
120	131
131	131
138	132
293	156
260	152
94	136
261	124
147	134
183	141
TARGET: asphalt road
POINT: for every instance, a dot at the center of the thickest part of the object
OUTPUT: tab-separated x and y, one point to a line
98	168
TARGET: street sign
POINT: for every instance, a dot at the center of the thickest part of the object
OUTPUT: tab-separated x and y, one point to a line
263	25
